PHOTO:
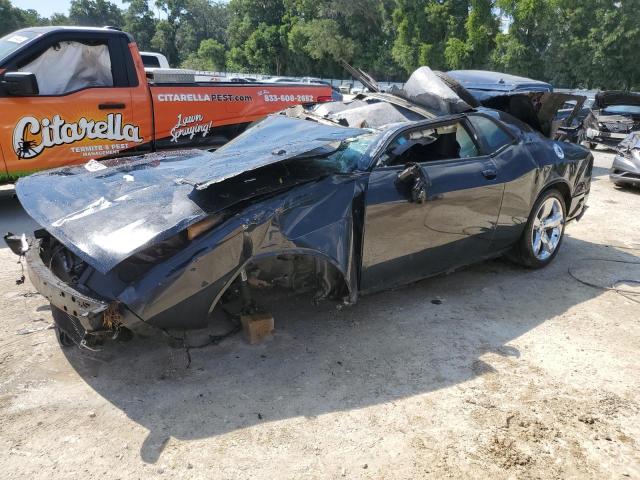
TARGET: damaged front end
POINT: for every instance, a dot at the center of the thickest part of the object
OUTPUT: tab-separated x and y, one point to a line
80	316
613	116
625	170
160	240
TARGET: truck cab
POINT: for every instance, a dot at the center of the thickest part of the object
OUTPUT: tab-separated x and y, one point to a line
73	94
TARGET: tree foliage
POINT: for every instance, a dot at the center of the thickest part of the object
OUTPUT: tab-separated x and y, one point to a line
139	18
95	13
12	18
573	43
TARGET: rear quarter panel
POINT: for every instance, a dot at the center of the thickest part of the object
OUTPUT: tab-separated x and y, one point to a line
542	164
563	165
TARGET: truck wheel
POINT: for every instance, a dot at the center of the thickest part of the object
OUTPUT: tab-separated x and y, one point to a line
543	234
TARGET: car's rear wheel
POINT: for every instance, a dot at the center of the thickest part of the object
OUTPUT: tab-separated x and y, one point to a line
542	237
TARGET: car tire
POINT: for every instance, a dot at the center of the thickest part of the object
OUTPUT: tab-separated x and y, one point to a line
546	221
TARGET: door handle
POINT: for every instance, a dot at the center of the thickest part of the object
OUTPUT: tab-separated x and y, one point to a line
490	174
111	106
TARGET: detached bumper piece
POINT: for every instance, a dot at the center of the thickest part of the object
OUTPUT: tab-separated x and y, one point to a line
625	170
620	177
74	313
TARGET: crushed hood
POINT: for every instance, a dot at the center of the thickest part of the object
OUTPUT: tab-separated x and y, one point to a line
105	212
615	97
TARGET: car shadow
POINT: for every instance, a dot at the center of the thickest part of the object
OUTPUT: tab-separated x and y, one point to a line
628	189
392	345
14	218
599	173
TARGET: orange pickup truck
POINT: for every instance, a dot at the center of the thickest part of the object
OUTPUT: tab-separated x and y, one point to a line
71	94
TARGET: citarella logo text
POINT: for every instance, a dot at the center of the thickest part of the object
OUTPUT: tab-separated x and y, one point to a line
32	136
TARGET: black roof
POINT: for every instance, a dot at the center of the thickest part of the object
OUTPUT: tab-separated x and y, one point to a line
75	29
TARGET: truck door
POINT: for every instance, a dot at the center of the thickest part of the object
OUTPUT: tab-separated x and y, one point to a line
3	170
83	108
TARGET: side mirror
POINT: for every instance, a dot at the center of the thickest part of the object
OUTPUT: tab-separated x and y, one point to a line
20	84
415	181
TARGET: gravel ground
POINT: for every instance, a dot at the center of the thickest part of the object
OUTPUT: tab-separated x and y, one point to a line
516	374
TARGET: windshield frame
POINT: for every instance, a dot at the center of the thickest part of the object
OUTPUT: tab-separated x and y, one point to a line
29	36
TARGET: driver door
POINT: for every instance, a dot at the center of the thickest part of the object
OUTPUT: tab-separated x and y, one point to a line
407	238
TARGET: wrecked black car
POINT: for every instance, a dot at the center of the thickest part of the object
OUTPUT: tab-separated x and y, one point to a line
625	170
613	116
346	198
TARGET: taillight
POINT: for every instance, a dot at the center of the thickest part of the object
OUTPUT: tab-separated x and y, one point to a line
324	98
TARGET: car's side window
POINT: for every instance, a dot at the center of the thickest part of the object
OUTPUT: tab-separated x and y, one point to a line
494	136
442	142
68	66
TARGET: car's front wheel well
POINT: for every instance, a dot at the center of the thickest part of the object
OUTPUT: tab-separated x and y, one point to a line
297	273
561	187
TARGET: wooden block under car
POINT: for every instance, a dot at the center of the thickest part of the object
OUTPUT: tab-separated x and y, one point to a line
257	327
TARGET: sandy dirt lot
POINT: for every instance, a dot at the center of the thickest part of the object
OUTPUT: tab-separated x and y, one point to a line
516	374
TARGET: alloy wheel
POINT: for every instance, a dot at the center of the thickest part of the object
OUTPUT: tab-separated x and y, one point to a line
547	228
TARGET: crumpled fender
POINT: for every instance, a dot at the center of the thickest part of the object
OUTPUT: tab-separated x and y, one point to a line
314	219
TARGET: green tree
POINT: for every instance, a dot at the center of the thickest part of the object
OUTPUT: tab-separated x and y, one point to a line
140	22
522	50
164	41
614	45
210	56
322	40
59	19
13	18
256	36
481	28
264	48
96	13
201	20
426	29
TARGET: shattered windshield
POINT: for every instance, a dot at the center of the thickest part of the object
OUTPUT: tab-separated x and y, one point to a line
275	139
347	155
